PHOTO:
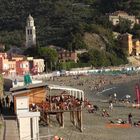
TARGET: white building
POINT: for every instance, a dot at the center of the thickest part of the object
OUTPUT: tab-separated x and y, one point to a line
36	65
116	16
39	63
30	32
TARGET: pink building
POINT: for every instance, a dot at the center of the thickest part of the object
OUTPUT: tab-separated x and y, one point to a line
22	67
7	66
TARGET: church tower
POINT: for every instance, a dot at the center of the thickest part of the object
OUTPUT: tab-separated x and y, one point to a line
30	32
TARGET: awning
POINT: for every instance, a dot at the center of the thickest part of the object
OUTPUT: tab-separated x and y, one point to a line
72	91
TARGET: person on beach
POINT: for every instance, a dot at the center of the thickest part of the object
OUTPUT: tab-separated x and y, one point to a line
130	118
105	113
115	97
90	108
110	105
58	138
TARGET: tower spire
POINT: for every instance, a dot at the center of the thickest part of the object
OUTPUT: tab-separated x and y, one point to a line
30	32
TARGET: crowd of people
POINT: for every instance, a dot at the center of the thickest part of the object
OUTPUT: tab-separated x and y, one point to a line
61	102
104	113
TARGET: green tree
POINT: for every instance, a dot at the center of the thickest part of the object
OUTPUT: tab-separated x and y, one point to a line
135	7
123	26
50	55
96	58
76	42
136	31
109	6
32	51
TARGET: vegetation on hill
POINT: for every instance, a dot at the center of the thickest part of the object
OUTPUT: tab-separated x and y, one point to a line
64	23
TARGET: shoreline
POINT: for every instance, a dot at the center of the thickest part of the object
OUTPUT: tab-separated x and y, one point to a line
93	84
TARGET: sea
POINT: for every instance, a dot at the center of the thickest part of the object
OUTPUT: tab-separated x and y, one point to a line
122	91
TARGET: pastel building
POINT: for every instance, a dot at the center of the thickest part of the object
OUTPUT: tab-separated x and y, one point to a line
131	45
7	66
36	65
20	65
116	16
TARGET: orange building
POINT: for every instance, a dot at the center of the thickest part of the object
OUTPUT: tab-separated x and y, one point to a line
131	45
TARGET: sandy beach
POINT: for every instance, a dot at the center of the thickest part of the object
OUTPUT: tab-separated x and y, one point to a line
97	88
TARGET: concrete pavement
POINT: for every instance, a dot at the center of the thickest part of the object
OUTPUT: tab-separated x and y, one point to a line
10	125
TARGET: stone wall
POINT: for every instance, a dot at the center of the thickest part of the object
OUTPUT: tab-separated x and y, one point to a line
1	85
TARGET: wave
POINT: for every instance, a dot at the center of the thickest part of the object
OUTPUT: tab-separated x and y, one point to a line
105	90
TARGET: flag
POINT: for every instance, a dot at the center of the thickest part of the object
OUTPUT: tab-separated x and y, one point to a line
27	79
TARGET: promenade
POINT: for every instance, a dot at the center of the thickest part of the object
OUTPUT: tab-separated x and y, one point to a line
10	131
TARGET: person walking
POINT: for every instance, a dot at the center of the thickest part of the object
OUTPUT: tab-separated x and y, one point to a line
115	97
12	106
110	105
1	107
3	102
130	118
7	101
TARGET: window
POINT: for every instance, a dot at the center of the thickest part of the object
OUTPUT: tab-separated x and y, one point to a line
30	32
65	54
21	66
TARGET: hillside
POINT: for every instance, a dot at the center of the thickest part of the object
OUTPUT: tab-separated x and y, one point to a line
56	21
93	40
70	24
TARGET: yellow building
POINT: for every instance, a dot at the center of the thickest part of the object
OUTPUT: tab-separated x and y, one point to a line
131	45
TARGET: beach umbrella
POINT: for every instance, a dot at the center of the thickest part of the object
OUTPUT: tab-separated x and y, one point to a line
128	96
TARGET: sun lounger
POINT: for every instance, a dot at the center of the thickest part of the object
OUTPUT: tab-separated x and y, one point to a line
116	125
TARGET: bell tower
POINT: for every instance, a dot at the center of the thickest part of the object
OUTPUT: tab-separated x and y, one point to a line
30	32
